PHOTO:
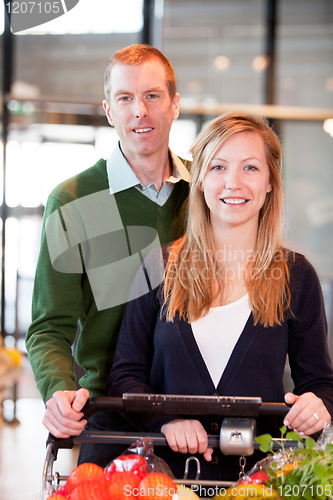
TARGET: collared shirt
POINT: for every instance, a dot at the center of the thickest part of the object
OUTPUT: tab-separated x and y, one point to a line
121	177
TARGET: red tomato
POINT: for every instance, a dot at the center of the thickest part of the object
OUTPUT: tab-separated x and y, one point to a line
259	477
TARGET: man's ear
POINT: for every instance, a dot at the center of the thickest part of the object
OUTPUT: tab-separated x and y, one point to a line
107	112
176	105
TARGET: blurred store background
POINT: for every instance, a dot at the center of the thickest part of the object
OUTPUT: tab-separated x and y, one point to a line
273	57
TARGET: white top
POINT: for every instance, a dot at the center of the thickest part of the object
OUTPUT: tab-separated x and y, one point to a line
217	333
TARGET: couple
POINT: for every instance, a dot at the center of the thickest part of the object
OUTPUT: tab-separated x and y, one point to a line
230	266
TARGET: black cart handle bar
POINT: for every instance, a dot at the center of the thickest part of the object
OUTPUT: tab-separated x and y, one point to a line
185	405
167	405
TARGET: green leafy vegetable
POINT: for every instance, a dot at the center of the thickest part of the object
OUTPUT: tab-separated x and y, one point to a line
308	475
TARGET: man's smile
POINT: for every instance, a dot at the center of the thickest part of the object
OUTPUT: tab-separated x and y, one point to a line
142	130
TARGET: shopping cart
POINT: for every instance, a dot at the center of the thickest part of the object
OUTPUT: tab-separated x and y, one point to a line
236	434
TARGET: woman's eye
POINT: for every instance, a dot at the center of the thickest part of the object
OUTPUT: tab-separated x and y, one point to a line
251	167
217	167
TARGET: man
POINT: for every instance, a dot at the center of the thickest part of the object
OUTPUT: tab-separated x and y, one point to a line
98	227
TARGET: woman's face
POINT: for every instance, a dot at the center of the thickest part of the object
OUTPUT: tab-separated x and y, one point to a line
237	181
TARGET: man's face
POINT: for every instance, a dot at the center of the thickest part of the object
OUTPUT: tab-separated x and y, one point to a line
141	109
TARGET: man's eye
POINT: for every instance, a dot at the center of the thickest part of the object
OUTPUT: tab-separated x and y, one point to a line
152	96
124	98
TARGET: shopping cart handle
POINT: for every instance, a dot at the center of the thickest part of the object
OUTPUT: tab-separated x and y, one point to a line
276	409
98	403
168	405
185	405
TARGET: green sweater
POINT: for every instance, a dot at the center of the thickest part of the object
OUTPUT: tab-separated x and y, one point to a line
73	284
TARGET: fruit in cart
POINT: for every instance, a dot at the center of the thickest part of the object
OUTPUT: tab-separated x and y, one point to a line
157	485
285	469
132	462
259	477
83	473
123	484
92	490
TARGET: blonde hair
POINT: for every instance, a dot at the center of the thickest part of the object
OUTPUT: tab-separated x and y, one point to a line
139	54
192	268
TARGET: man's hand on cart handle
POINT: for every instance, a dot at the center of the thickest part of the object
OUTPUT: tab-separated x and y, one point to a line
63	415
187	436
307	415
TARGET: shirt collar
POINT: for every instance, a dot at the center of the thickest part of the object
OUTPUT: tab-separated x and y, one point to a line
121	176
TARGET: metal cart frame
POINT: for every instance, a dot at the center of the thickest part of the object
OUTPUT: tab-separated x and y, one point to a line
164	404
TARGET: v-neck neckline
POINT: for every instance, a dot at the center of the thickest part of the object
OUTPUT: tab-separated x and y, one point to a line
163	210
233	363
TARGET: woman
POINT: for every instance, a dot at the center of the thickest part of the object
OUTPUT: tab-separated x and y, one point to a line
234	303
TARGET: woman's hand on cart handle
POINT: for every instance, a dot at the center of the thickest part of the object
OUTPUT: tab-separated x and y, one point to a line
307	415
187	436
63	415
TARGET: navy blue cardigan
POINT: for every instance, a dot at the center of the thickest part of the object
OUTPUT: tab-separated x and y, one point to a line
155	356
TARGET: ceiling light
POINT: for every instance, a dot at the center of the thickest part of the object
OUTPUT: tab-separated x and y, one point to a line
328	126
221	63
260	63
